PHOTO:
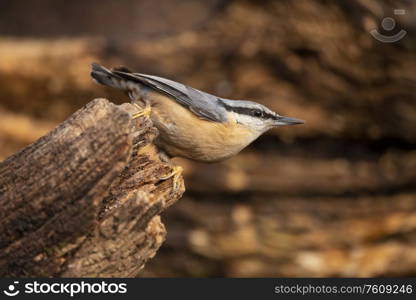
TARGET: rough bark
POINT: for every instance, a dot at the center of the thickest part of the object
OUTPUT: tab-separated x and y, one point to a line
84	199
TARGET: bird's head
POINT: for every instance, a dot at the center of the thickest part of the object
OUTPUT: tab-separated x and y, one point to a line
256	116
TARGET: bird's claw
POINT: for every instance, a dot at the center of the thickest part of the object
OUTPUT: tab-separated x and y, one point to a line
142	112
176	174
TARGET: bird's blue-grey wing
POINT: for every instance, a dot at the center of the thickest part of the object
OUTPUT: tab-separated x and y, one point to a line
202	104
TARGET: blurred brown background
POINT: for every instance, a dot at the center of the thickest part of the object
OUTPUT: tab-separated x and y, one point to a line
334	197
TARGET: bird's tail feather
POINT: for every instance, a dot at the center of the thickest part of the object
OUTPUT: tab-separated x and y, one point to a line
105	77
120	78
110	78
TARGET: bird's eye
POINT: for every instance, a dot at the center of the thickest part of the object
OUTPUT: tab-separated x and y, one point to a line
258	113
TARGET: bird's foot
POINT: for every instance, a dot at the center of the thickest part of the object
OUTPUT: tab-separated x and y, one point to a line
176	174
142	112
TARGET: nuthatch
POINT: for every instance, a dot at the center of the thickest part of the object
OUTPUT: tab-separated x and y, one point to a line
191	123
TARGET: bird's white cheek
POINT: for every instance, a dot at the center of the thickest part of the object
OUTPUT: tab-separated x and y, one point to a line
263	127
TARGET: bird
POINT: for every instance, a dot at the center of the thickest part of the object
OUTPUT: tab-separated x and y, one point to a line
191	123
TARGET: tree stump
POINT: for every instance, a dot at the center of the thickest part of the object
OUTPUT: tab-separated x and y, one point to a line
84	200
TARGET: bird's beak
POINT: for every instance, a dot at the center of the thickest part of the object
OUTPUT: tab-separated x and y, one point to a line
281	120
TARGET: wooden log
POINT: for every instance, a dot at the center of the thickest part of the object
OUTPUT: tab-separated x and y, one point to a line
84	200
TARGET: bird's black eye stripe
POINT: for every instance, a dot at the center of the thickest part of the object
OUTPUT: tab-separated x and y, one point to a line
258	113
254	112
